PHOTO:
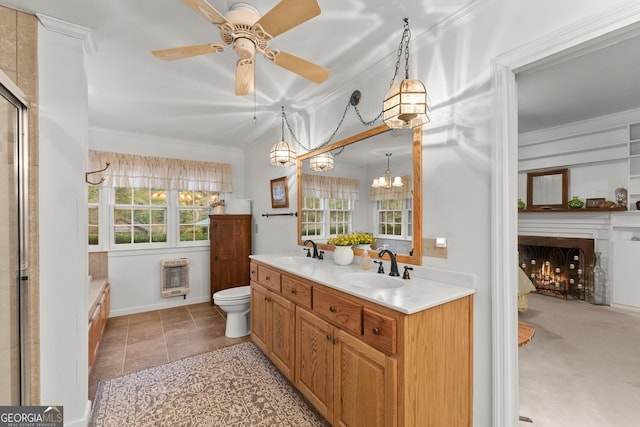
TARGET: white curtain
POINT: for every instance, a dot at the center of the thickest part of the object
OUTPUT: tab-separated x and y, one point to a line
129	170
394	193
329	187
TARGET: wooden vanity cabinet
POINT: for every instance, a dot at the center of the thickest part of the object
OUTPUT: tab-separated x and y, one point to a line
230	240
272	320
349	382
361	364
98	321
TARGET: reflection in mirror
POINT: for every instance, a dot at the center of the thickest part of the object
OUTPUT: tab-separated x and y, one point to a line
342	200
547	189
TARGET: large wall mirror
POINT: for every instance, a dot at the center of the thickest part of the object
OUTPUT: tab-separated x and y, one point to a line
363	157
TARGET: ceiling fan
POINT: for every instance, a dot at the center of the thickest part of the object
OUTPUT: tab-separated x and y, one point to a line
248	33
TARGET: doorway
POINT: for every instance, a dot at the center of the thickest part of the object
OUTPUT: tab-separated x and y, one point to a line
620	23
14	389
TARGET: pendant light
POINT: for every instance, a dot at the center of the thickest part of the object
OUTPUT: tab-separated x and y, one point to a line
385	180
406	103
282	154
322	162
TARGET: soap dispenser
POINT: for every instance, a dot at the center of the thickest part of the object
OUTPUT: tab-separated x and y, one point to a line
365	260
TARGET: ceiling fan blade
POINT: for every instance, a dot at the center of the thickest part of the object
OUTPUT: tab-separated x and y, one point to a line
187	51
206	10
245	69
286	15
300	66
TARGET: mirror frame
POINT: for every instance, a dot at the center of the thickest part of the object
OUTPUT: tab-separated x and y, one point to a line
416	258
563	189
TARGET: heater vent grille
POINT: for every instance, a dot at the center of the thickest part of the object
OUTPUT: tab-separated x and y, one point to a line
175	277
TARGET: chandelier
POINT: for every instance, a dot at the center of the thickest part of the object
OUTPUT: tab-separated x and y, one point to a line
385	180
406	103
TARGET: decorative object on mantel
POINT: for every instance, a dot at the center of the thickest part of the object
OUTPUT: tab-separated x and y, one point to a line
521	204
638	205
575	203
595	203
621	197
548	190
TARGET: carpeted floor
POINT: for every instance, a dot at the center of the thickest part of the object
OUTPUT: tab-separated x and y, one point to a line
234	386
582	367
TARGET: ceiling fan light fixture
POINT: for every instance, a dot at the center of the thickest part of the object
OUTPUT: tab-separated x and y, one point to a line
322	162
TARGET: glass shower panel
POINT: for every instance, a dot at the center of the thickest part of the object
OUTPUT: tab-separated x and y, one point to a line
10	362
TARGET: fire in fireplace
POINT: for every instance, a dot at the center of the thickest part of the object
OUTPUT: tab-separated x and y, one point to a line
558	265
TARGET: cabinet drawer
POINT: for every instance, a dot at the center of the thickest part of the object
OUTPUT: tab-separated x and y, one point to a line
379	331
269	278
253	272
296	291
340	311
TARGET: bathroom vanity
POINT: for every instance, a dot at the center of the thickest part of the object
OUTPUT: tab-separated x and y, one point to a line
366	349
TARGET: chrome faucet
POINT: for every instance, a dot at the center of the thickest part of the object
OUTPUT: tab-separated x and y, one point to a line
315	247
394	264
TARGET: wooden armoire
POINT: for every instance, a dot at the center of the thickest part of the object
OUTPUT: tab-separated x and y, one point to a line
230	237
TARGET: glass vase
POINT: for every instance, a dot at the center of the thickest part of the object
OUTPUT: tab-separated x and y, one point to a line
600	286
343	255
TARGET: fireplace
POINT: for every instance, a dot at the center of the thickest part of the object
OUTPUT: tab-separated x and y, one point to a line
558	266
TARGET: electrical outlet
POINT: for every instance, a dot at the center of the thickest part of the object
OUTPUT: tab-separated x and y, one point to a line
429	248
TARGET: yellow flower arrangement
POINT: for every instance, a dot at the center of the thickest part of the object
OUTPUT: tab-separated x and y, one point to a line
351	239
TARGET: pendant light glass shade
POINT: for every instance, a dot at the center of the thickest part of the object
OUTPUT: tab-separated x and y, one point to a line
406	105
322	162
282	154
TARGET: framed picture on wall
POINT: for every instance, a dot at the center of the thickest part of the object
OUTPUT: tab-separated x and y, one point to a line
279	193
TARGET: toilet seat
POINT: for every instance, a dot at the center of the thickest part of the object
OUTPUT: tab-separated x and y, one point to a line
233	294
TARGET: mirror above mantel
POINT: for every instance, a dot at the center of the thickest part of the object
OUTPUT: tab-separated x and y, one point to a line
363	157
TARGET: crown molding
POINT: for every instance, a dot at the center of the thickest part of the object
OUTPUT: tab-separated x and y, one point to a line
70	30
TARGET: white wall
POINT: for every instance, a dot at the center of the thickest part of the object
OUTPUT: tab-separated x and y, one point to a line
135	275
63	230
454	63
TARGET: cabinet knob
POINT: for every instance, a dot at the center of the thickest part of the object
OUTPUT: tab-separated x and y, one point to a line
332	309
294	291
328	337
376	331
267	278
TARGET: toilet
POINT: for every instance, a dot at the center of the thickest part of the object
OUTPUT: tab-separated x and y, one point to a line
236	302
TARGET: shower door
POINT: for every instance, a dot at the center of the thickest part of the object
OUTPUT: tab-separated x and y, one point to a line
13	248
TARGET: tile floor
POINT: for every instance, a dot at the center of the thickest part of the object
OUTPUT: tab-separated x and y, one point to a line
138	341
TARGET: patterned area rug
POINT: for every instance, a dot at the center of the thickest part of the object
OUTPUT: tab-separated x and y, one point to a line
233	386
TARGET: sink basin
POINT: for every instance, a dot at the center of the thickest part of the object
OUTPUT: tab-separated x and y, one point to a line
294	260
373	281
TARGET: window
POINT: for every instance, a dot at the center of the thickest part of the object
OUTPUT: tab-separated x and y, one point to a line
340	216
139	215
193	212
312	217
320	215
93	196
395	218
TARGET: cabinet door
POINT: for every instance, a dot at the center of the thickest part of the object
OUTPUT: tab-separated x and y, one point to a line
282	334
260	322
314	361
365	381
230	248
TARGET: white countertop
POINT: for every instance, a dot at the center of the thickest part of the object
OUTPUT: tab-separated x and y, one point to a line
412	296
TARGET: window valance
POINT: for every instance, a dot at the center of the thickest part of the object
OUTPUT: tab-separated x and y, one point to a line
394	193
130	170
330	187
